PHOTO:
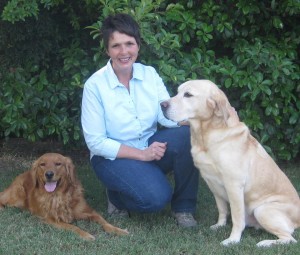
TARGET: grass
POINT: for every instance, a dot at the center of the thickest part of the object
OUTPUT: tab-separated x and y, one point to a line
150	234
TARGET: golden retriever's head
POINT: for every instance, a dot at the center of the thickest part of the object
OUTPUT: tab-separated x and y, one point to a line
198	99
53	171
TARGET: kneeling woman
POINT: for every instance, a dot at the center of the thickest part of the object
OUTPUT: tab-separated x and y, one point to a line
120	116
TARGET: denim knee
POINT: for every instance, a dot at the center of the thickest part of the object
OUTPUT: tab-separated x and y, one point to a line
153	201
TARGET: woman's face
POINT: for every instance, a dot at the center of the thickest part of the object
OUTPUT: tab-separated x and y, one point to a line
123	51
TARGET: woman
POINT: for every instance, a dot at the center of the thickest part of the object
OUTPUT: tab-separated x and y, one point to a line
120	114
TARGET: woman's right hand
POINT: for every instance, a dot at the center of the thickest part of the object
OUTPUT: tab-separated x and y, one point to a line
154	152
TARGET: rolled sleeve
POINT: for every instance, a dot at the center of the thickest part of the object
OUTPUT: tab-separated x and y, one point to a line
106	148
93	124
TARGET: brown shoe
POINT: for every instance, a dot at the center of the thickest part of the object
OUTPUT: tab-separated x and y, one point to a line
185	219
114	211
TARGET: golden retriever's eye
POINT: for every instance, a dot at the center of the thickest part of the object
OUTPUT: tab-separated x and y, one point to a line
42	164
58	164
187	94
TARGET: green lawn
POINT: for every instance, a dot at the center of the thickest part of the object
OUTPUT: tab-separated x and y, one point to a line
150	234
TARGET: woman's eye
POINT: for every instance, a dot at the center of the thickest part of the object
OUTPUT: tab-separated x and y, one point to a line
187	94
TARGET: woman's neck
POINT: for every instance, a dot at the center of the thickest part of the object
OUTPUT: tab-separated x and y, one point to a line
124	77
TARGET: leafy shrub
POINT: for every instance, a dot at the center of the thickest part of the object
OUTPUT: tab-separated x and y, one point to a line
43	66
34	108
249	48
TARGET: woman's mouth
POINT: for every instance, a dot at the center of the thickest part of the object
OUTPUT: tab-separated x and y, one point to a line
125	60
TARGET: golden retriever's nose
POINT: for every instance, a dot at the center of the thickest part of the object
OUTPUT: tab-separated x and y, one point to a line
49	175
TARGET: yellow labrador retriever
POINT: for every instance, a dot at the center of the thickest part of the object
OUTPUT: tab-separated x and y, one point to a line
235	166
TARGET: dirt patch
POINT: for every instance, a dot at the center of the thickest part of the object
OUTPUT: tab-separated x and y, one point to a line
11	163
20	153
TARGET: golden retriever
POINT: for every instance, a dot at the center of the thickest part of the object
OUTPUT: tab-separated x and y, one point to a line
51	190
235	166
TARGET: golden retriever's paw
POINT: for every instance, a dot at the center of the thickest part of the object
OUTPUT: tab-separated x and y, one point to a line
268	243
119	231
124	232
88	237
230	241
108	228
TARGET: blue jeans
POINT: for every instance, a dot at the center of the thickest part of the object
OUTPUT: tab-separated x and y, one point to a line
143	186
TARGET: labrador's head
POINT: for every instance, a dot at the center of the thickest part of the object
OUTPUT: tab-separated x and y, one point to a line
197	99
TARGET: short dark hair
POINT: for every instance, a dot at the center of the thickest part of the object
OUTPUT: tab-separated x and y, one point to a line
123	23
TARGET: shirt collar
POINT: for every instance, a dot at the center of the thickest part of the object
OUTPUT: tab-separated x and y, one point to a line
113	79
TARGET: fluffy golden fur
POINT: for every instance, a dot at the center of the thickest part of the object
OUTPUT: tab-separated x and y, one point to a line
51	191
235	166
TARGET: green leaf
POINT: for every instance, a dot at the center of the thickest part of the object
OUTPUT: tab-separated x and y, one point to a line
294	118
228	83
16	10
40	133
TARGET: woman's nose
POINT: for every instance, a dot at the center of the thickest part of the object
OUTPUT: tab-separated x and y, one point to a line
123	49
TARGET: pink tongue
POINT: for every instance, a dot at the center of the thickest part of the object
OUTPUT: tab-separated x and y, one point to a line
50	186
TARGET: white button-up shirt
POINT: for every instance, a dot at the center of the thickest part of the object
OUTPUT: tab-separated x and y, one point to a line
111	115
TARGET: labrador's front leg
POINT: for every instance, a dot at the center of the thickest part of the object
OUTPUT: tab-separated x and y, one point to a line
236	200
223	212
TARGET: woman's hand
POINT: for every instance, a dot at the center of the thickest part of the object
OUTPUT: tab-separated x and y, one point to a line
155	151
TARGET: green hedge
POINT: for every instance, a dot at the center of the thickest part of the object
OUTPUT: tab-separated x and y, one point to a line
249	48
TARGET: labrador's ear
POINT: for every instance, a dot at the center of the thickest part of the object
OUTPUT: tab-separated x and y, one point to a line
211	103
71	172
221	105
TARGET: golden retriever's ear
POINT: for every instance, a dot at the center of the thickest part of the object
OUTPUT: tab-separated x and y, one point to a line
34	173
70	170
35	165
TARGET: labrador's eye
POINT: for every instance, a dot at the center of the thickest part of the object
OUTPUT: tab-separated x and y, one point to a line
187	94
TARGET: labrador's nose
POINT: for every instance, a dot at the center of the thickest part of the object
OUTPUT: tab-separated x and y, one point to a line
164	105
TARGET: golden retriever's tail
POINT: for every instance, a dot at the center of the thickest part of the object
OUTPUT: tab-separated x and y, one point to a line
298	219
4	199
2	203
